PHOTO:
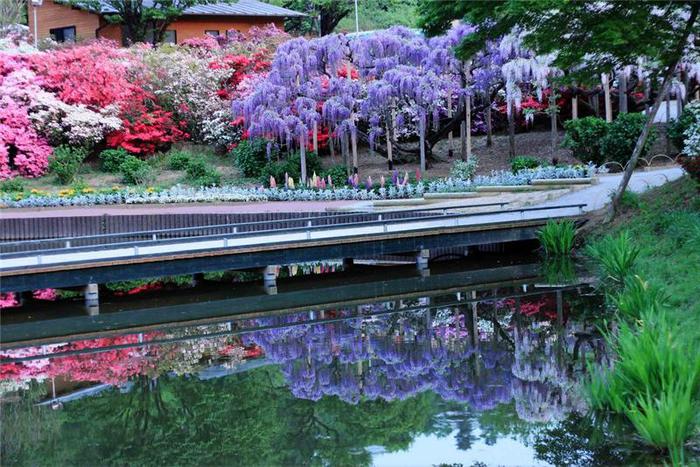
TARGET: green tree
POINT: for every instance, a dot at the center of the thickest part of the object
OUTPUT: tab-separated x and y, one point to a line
588	37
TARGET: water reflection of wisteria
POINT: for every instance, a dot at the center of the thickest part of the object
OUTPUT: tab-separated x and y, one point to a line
483	351
395	356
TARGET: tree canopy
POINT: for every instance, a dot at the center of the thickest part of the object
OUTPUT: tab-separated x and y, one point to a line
586	38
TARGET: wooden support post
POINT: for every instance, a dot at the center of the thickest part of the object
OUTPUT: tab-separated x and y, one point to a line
668	119
316	137
463	140
511	132
331	145
450	148
574	107
489	126
353	138
348	71
608	103
421	130
92	299
270	280
468	124
389	153
553	120
622	93
422	262
302	151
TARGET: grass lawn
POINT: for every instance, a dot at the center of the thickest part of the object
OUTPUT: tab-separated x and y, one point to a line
665	224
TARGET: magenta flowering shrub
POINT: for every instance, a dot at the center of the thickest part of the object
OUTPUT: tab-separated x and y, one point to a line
22	150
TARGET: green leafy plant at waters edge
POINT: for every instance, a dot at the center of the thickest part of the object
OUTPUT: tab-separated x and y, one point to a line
558	270
639	295
653	381
557	237
616	256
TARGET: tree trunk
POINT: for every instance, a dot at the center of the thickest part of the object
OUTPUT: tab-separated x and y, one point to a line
389	153
650	118
450	147
668	119
574	107
316	138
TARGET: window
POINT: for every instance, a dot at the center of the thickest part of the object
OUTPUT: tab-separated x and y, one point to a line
212	32
170	37
66	34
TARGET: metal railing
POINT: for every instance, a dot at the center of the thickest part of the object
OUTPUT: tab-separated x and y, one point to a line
155	246
231	228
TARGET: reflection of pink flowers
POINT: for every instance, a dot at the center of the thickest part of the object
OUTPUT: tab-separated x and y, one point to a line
117	366
45	294
8	300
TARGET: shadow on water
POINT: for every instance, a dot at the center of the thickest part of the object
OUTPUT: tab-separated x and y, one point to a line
471	364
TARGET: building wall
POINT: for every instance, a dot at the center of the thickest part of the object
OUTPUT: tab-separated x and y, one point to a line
188	27
53	15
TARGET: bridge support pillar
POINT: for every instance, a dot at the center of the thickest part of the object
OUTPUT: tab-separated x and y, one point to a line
92	299
422	262
270	280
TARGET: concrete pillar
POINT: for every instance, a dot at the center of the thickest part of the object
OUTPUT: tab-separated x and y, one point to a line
92	299
270	280
422	259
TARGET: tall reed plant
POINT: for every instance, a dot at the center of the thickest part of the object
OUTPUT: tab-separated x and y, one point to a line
654	381
557	237
616	256
638	295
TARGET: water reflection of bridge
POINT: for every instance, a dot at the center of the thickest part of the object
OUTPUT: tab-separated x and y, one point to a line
449	284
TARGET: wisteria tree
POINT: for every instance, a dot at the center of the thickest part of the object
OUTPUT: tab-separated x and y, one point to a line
586	38
394	90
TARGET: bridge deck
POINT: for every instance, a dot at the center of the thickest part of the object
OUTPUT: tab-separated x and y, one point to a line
238	247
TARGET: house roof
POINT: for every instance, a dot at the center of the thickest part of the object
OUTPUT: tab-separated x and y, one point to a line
235	8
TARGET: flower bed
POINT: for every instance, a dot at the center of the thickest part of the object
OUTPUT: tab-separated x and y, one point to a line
179	194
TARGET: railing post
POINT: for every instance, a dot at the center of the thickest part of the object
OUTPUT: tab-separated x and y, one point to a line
92	299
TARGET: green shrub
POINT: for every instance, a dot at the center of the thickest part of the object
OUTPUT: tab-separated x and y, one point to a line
179	160
12	185
584	137
250	156
112	158
338	173
558	270
292	167
524	162
676	128
65	162
136	171
464	170
201	174
621	138
616	256
557	237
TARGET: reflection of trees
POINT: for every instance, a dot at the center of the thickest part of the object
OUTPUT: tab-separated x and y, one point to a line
243	419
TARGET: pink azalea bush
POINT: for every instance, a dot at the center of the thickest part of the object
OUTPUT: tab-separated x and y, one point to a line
141	98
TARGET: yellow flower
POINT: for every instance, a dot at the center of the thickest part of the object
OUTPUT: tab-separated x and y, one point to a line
116	188
88	190
19	196
150	189
35	191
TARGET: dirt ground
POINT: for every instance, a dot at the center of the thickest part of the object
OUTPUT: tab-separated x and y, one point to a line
534	144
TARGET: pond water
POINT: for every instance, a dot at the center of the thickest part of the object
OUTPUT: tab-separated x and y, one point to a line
484	374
